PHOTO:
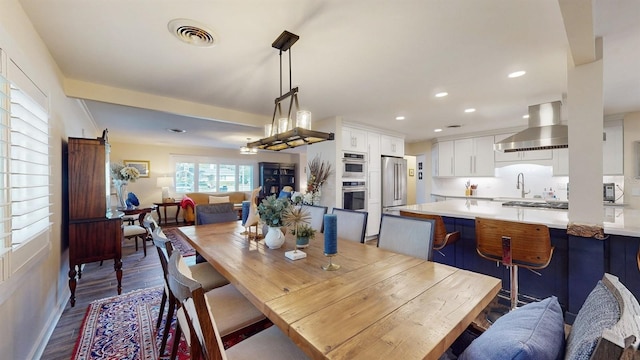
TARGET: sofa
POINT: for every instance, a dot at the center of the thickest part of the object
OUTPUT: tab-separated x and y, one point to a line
198	198
606	327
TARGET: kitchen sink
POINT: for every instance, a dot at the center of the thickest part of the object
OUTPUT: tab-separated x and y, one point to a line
538	204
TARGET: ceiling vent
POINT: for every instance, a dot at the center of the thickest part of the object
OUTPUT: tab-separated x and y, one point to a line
192	32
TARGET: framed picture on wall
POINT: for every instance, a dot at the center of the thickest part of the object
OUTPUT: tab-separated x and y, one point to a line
143	166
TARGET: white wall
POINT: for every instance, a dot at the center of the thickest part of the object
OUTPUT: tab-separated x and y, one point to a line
631	160
34	296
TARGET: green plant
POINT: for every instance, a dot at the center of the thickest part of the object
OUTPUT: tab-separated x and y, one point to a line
304	230
271	210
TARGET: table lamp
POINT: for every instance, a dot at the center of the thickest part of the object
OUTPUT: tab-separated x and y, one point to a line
165	182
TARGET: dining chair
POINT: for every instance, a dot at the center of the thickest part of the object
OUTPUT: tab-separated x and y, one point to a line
317	216
204	273
441	237
203	325
351	224
137	232
407	235
226	304
514	244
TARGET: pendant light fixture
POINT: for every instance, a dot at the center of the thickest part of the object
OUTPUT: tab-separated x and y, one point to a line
245	150
283	134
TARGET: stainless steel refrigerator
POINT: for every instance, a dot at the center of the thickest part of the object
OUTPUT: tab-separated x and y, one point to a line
394	182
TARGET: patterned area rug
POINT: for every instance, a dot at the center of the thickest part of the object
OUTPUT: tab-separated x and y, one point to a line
179	242
123	327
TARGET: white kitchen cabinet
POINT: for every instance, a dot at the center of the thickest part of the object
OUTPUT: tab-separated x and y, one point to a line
374	161
612	154
354	139
374	203
613	151
474	157
560	162
442	159
391	146
520	156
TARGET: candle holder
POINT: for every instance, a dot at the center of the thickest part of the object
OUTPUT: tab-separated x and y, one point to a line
330	266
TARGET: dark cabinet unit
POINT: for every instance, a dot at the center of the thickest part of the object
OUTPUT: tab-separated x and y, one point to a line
95	234
275	176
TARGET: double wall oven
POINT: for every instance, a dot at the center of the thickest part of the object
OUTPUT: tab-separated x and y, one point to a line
354	186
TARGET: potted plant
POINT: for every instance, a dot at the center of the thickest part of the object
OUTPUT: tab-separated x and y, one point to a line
303	234
271	211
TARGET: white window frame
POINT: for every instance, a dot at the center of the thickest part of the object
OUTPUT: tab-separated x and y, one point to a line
196	160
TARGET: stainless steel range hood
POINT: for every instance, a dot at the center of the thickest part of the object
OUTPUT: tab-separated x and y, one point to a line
544	132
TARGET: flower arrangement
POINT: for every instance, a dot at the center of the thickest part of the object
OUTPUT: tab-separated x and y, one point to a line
124	173
319	172
272	210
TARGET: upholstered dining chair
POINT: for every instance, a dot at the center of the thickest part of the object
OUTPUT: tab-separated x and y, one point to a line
231	309
317	216
514	244
407	235
351	224
137	232
203	273
441	237
203	324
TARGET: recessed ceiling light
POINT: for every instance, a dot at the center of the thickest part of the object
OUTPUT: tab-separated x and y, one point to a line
469	110
516	74
400	117
178	131
526	116
442	94
437	130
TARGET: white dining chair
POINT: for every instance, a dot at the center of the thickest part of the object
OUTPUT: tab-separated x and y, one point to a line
407	235
351	224
317	216
205	317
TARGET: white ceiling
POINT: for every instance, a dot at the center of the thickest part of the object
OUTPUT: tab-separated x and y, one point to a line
367	61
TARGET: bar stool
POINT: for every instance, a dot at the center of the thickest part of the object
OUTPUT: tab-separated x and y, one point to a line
514	244
441	237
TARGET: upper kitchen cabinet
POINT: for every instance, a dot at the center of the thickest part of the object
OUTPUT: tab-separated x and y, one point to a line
392	146
612	154
474	157
613	150
442	159
521	156
354	139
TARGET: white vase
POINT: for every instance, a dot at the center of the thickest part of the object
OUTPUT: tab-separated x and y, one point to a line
274	238
121	190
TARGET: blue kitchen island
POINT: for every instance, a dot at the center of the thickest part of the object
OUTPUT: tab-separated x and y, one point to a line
577	262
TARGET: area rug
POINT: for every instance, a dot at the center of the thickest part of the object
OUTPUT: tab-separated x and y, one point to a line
124	327
179	242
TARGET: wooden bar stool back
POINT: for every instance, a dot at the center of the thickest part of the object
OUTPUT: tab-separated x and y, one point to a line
514	244
441	237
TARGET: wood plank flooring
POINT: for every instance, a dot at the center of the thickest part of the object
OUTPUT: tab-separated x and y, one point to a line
100	282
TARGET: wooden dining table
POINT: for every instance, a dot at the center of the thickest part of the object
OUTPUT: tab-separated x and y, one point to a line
377	305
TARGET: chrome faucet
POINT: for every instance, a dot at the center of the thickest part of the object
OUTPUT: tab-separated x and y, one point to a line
518	182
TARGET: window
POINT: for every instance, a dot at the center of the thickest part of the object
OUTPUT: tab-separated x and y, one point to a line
199	174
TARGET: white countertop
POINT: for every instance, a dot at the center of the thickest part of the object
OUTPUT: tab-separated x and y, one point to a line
616	220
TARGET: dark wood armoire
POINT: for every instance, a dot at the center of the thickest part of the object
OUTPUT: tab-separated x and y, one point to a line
95	234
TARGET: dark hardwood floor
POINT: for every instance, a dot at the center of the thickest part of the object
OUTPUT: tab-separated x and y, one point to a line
99	282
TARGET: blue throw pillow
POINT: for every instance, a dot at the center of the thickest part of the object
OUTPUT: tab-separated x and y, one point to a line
534	331
599	311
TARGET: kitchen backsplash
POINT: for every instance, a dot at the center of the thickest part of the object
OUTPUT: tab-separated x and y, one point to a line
537	179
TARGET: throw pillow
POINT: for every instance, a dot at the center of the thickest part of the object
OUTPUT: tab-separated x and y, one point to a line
599	311
218	199
534	331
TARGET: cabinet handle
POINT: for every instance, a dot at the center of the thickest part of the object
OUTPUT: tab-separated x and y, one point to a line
475	164
451	166
471	164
